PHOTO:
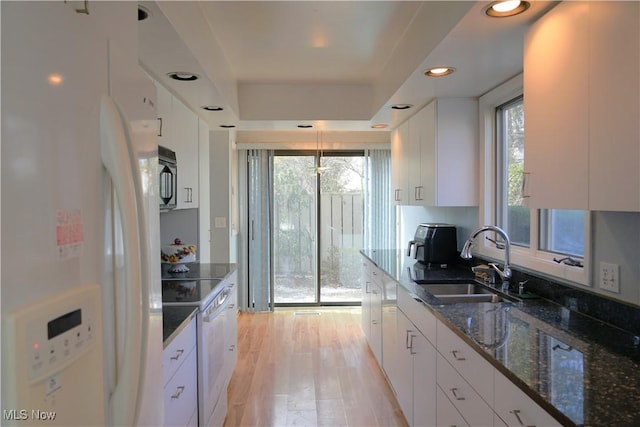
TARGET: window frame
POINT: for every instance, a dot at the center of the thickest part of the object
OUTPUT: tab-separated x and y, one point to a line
531	259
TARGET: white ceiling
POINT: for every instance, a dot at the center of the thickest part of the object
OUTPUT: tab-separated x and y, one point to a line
338	65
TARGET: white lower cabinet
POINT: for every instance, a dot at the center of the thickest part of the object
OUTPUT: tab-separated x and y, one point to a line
180	374
447	415
515	408
415	369
439	379
465	360
465	399
231	331
372	307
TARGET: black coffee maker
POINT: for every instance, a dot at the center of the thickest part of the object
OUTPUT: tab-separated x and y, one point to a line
435	244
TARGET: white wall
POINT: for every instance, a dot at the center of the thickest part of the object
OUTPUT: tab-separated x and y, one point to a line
408	217
219	174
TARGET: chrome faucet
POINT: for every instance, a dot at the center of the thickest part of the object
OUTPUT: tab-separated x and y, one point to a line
505	272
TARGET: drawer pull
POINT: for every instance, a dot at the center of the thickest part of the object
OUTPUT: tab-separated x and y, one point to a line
454	391
178	354
179	391
455	355
516	412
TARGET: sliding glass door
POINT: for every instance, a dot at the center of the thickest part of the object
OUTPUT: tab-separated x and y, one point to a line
318	215
295	228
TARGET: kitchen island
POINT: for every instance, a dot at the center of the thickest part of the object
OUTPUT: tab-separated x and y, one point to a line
579	370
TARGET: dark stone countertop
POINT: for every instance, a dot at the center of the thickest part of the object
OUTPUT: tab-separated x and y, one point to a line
199	271
176	316
174	320
581	370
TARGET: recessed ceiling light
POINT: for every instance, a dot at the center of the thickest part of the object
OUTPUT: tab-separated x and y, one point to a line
305	126
502	9
212	108
143	13
380	126
183	76
401	106
227	126
439	71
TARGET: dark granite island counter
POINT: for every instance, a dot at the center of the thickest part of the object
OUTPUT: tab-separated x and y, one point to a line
581	370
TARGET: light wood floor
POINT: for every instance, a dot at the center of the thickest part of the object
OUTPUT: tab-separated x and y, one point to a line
299	368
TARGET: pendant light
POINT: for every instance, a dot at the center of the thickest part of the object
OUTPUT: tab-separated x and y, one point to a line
320	169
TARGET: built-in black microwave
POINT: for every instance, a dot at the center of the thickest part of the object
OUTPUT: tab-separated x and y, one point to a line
168	178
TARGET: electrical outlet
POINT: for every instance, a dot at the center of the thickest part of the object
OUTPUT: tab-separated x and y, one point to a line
610	277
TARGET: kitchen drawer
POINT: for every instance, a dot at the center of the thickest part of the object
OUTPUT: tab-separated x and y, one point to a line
181	393
447	414
419	315
515	408
372	271
176	352
469	403
467	361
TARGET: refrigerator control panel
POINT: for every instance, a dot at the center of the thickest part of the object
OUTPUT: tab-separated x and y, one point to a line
55	332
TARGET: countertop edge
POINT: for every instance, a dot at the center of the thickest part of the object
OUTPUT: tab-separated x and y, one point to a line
180	327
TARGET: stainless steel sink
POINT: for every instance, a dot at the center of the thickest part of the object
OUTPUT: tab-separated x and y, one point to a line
464	293
456	289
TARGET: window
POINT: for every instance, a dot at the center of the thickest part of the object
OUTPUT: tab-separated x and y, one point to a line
538	236
562	231
512	214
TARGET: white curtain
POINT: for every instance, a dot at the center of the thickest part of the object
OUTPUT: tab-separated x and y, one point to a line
257	229
379	209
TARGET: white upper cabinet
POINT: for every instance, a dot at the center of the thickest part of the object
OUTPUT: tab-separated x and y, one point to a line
178	131
581	100
434	155
186	126
614	99
449	153
399	170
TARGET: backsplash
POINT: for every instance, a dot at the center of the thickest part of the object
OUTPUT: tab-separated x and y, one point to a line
181	223
619	314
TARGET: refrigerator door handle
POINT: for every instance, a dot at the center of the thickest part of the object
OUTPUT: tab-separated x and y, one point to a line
119	160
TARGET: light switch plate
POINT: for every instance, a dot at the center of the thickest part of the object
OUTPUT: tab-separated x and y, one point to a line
610	277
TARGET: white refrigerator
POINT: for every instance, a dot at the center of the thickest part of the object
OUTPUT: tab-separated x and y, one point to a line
81	299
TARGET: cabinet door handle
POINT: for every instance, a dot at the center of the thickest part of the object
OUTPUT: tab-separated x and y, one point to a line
374	322
418	192
411	344
406	340
397	195
525	187
178	392
455	355
178	354
160	126
516	412
232	347
85	10
454	391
